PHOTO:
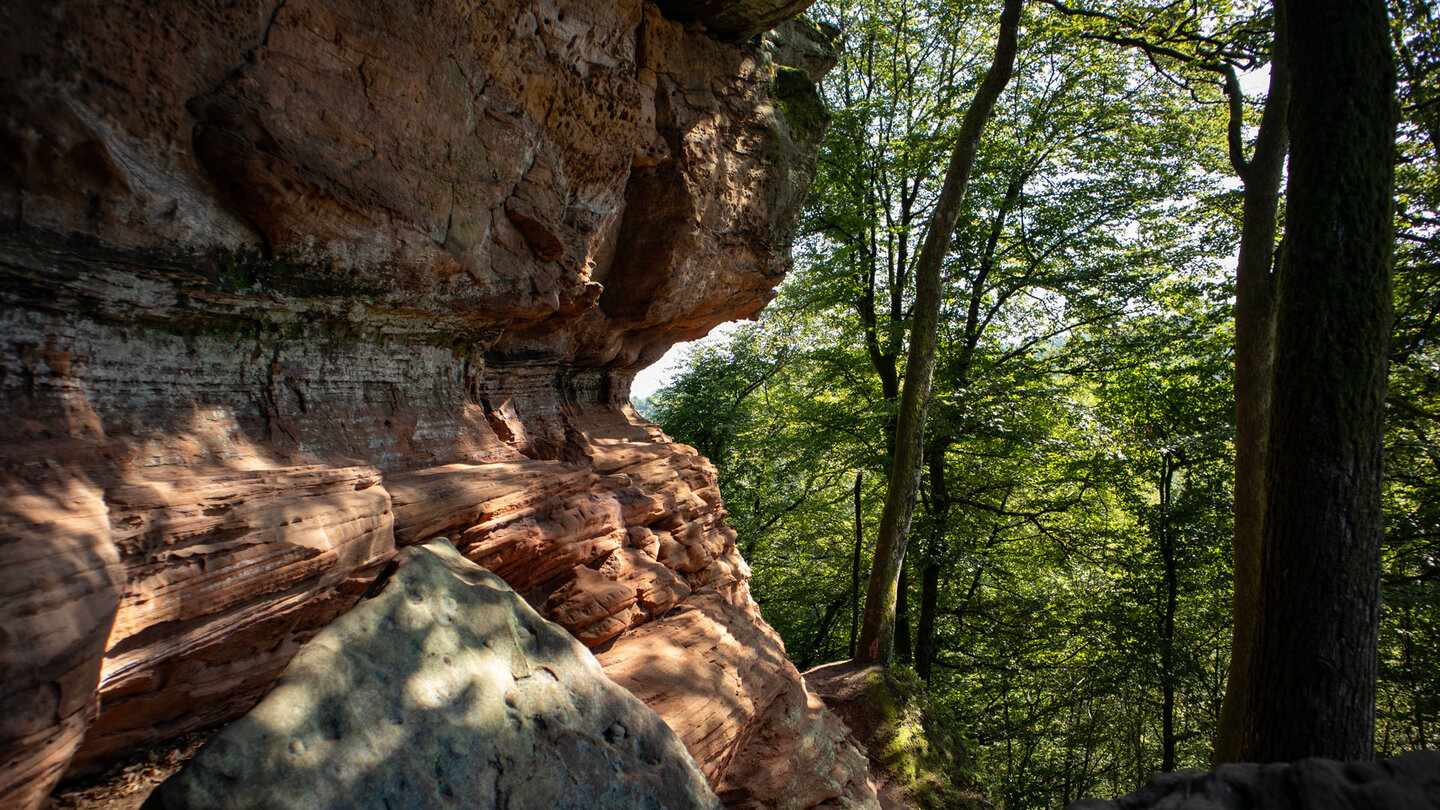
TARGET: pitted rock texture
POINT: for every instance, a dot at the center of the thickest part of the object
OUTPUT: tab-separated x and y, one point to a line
288	285
582	180
1405	782
446	689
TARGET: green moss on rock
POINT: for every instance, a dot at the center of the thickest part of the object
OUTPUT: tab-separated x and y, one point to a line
797	98
913	749
249	271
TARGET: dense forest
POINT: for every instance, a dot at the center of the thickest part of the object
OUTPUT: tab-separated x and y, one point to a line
1068	589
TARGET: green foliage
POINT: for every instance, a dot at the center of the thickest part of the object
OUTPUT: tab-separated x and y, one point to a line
1408	704
1076	505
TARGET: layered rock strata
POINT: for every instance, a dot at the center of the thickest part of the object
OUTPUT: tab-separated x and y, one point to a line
285	286
445	689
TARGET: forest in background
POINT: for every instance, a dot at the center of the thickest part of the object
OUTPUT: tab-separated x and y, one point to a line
1067	589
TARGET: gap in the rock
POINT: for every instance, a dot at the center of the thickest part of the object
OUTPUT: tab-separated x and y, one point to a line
664	371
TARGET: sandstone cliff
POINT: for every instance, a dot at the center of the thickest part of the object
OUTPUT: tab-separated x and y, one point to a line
286	285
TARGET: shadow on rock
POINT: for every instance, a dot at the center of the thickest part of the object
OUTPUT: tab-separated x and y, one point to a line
446	689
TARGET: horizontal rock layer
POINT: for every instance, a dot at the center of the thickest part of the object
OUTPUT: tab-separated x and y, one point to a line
287	286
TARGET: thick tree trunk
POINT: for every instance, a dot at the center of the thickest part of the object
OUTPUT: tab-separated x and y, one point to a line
1254	352
1312	685
878	632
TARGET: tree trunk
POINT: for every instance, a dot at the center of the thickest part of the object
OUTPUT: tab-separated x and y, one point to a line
1312	685
929	604
903	651
1254	353
1167	617
855	567
827	622
878	632
939	504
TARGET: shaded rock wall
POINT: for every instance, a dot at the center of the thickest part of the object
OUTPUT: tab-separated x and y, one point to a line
287	285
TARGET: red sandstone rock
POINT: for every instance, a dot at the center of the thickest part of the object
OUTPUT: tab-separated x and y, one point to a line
60	583
286	285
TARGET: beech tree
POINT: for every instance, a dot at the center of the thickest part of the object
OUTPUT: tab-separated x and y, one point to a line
1072	530
1312	681
877	632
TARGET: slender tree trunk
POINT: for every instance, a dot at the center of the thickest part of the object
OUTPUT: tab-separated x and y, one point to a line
929	605
878	632
1254	352
1312	685
904	653
1167	618
855	567
939	503
827	623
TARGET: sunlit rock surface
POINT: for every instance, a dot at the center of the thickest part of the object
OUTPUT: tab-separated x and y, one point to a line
1405	782
445	689
286	286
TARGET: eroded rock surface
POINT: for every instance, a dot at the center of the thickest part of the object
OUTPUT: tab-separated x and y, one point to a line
445	689
1405	782
288	285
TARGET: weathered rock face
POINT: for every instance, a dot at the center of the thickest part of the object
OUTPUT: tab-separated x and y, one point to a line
1406	782
285	286
445	689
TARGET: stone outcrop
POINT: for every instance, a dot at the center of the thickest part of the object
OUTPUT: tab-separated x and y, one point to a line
444	689
286	286
917	758
1405	782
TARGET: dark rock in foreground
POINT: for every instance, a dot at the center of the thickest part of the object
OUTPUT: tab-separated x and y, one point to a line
446	689
1406	782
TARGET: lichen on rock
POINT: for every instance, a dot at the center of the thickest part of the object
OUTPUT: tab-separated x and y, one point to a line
445	689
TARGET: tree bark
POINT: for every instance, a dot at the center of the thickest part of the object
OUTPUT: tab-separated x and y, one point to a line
1254	353
904	652
855	567
1312	684
877	635
1167	615
939	504
929	605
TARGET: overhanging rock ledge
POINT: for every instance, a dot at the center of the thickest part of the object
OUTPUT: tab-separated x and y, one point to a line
288	285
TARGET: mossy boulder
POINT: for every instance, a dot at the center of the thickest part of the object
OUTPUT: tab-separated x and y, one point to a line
797	98
916	759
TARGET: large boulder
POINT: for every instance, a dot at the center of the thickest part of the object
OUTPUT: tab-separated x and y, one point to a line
1405	782
445	689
